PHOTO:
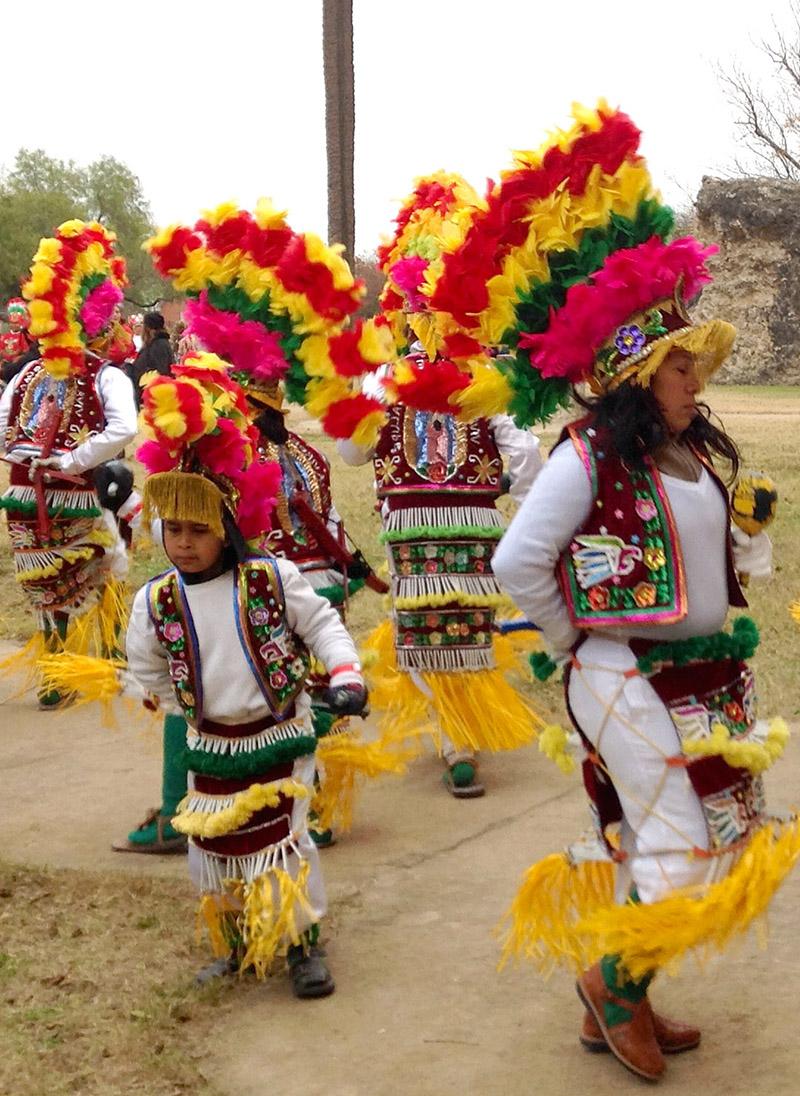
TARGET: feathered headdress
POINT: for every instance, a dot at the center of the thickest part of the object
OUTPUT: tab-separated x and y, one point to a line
74	288
200	456
568	267
455	373
277	305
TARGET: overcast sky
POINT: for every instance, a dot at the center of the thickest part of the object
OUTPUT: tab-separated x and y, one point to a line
214	101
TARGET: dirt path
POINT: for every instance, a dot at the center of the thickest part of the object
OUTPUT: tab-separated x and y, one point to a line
415	892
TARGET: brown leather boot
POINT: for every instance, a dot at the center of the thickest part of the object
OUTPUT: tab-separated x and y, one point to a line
632	1042
671	1036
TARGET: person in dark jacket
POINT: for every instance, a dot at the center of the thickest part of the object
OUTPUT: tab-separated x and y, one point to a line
156	353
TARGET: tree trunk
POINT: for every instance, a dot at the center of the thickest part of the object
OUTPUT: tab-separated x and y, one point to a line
340	123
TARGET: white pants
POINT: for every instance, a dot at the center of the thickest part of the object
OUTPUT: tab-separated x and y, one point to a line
633	733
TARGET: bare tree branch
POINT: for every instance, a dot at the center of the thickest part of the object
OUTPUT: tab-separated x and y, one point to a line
768	117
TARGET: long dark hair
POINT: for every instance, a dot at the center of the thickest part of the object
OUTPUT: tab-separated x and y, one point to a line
637	426
272	425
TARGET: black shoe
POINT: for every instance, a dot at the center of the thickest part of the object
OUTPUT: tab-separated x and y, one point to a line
220	968
310	975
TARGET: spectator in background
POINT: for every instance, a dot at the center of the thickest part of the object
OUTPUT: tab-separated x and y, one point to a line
156	353
175	339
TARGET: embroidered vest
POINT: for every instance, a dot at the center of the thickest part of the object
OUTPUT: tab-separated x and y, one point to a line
305	469
277	658
38	399
624	566
424	458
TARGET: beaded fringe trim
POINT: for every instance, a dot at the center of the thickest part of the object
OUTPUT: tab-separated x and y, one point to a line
79	500
218	744
422	585
453	515
216	870
435	659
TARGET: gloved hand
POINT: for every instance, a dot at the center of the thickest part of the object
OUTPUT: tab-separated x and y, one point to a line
346	699
752	555
358	566
43	462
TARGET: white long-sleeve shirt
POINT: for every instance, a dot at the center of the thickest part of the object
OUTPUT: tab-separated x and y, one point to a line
230	691
559	504
119	410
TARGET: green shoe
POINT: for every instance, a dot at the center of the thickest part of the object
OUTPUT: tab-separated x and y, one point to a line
155	835
461	780
323	839
53	701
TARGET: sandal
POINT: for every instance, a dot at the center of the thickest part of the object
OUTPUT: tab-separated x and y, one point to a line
461	779
164	838
310	975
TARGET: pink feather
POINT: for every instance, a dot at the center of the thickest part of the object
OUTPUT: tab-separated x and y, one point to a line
258	491
224	451
98	308
156	458
630	281
247	345
407	275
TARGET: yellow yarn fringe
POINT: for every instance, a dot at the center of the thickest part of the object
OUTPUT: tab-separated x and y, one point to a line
85	662
100	630
756	757
346	761
245	805
554	897
709	344
477	710
24	662
565	913
263	913
554	744
794	611
218	914
269	920
183	496
91	680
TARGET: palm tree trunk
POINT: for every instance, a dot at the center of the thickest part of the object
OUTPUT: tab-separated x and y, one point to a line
337	53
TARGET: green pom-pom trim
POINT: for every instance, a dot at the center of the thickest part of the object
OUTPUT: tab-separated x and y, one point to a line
242	765
442	532
335	594
542	665
53	511
741	644
323	720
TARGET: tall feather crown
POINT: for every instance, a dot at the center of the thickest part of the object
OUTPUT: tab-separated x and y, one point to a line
276	304
569	267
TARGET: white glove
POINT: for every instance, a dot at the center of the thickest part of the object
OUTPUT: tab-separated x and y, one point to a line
752	555
43	462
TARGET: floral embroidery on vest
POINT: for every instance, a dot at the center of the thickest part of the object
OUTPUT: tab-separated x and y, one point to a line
278	660
624	566
175	632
